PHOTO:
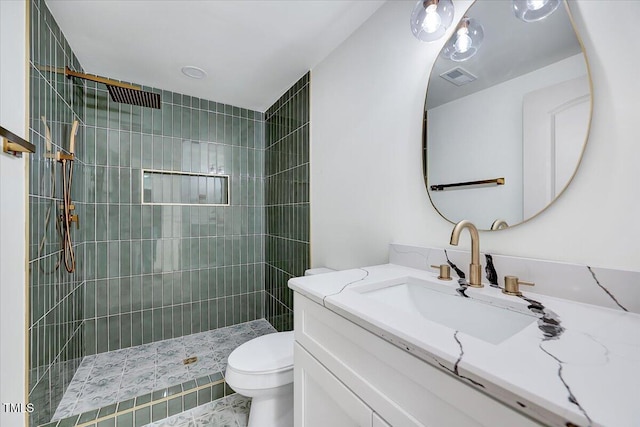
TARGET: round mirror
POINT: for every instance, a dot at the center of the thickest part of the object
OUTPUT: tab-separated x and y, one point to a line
507	114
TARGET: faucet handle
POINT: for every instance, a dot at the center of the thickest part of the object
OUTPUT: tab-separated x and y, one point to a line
445	271
511	285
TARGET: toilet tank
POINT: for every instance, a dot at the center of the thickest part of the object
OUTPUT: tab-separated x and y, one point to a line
319	270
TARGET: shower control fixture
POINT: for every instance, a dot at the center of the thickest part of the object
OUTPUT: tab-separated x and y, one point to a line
67	217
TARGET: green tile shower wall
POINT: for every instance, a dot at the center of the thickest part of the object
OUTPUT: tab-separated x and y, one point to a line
159	272
286	200
56	297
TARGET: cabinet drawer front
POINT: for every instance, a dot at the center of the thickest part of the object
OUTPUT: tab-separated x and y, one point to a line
403	389
321	399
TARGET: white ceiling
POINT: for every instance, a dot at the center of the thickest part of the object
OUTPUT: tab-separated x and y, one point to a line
252	51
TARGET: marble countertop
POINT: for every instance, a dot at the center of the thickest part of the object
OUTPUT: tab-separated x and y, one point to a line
574	364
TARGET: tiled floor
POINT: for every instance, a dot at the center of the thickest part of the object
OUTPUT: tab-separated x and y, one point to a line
115	376
230	411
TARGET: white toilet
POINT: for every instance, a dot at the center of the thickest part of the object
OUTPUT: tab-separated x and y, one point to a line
263	370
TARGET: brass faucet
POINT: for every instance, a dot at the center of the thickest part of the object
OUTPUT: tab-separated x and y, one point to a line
475	269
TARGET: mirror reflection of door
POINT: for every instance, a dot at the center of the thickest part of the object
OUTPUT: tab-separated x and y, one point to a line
553	133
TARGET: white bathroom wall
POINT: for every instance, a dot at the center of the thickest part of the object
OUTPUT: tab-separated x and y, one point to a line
492	150
13	212
366	168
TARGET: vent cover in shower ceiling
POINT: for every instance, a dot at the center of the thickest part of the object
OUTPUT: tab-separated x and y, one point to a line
458	76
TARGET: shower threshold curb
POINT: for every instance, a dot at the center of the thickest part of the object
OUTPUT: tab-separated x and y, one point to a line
151	407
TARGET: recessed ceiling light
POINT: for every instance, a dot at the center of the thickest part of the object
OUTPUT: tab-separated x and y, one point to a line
194	72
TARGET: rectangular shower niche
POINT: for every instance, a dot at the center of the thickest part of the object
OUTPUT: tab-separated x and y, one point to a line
160	187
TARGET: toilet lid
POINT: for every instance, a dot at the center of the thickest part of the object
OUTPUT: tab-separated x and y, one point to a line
268	353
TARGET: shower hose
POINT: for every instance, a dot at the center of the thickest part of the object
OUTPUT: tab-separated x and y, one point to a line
67	244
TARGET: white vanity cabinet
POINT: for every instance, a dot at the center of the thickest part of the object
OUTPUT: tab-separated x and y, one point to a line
322	399
345	375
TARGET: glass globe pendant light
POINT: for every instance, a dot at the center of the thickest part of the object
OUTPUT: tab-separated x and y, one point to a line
534	10
431	18
465	42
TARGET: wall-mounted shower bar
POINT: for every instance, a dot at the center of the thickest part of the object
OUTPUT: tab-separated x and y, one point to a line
70	73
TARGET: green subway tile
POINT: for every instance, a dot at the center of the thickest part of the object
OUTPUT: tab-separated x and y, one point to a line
177	320
156	289
142	416
102	330
126	325
109	422
90	336
113	225
147	326
204	396
147	151
68	422
174	406
101	146
147	290
202	381
190	401
167	326
126	404
136	328
167	152
90	300
157	120
186	117
157	325
114	333
125	149
145	398
125	420
189	385
113	145
114	296
107	410
159	394
136	284
136	150
146	120
228	390
157	152
215	377
173	390
88	416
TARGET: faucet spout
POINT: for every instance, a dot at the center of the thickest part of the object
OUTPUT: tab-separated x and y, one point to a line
475	269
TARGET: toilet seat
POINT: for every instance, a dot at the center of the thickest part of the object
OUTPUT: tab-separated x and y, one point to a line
264	362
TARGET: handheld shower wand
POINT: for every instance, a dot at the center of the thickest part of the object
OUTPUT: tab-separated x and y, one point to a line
67	216
51	204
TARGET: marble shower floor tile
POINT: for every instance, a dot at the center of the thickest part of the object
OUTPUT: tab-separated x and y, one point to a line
115	376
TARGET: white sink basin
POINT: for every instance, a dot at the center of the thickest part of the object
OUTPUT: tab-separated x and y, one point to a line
489	319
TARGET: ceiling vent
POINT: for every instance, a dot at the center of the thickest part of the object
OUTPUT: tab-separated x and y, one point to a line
458	76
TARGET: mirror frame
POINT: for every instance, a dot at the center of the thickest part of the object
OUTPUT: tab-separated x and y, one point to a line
425	171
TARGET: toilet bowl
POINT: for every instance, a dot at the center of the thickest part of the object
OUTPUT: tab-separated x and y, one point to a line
263	370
